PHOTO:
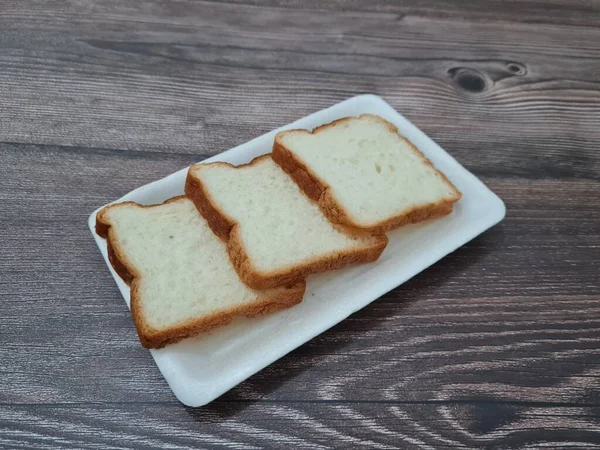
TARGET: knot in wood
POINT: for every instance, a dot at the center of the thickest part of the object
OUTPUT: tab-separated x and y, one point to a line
470	80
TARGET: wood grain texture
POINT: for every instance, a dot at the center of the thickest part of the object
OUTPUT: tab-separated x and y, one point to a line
496	346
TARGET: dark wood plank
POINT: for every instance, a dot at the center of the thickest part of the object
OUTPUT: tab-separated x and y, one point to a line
166	77
495	346
532	11
311	425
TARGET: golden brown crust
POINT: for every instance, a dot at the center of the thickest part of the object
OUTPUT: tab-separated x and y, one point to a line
219	223
117	263
222	225
151	338
319	191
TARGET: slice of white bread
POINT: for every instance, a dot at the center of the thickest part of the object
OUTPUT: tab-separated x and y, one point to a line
364	174
182	282
275	235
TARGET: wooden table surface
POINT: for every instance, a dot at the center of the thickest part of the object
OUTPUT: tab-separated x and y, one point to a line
497	345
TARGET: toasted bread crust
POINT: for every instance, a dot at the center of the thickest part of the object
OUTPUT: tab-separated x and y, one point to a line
150	338
226	228
319	191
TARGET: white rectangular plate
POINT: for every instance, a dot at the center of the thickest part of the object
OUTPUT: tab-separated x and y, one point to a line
200	369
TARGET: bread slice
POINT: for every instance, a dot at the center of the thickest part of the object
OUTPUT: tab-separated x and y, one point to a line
275	235
364	174
182	282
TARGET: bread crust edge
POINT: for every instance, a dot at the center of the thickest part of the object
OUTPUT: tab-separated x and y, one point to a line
149	338
227	228
319	191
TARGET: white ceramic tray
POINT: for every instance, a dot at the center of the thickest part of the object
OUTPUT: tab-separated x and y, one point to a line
200	369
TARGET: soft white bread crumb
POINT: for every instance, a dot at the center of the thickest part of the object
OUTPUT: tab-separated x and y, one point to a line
183	279
279	229
373	175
